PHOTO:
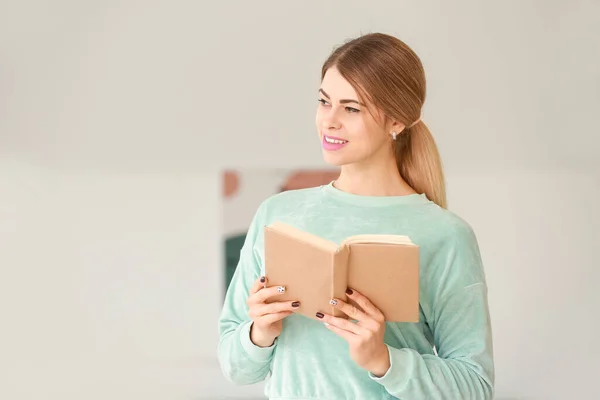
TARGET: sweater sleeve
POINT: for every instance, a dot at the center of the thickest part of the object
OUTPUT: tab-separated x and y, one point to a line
463	367
241	361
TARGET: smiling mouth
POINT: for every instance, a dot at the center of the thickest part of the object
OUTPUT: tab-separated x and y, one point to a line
334	140
331	143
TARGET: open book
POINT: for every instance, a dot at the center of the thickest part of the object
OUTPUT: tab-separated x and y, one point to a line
385	268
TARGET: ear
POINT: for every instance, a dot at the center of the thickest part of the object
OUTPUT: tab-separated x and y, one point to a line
397	127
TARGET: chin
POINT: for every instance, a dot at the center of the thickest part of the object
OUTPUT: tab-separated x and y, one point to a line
337	160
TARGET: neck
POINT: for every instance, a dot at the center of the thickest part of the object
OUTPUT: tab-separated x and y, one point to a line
373	179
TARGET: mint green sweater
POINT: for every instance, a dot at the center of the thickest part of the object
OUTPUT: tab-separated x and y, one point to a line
446	355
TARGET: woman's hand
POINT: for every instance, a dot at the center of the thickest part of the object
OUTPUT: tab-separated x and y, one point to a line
365	337
267	317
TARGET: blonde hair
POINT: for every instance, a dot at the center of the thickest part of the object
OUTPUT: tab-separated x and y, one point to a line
389	75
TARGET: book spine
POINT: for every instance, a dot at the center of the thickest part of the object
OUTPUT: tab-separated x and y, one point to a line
340	277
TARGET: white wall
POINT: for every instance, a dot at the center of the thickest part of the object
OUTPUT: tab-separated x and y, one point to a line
109	191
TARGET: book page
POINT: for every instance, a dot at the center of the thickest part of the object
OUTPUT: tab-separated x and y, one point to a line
378	239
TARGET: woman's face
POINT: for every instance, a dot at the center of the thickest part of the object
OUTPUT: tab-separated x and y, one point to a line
348	132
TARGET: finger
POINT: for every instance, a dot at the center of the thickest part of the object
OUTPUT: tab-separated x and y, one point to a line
341	332
366	305
350	310
271	318
276	307
268	292
342	323
259	284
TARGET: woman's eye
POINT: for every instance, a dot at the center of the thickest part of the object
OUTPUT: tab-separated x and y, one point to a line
349	109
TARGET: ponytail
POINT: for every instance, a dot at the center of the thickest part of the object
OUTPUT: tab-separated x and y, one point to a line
419	163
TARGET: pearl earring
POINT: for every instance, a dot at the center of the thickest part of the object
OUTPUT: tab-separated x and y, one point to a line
394	135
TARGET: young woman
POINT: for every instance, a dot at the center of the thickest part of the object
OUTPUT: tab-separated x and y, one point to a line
391	181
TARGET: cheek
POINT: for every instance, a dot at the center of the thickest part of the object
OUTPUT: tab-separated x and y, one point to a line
370	138
359	132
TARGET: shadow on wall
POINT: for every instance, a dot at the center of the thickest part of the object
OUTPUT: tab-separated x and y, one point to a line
294	179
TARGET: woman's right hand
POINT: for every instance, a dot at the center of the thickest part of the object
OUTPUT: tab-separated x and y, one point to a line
267	317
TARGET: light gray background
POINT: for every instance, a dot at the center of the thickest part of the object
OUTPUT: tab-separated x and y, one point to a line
117	116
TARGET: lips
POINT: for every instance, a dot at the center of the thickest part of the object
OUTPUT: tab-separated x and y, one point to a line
332	143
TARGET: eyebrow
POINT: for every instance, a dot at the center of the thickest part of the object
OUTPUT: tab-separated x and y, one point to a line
343	101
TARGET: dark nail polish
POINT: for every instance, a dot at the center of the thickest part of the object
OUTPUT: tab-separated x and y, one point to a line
320	315
296	304
262	279
349	291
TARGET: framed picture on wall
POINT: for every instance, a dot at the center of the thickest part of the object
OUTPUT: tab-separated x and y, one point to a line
245	189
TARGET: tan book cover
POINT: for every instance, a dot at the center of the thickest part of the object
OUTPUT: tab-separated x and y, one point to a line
385	268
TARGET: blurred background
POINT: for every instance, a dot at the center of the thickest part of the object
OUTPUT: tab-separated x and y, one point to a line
120	119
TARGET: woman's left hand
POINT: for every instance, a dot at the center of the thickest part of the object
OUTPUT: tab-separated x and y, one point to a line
365	337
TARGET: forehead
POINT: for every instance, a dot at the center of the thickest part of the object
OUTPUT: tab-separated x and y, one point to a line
335	85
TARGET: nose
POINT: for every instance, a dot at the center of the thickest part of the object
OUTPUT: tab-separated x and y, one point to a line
330	120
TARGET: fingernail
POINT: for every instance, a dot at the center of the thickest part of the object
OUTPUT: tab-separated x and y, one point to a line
320	315
333	302
262	279
281	289
296	304
325	323
349	291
